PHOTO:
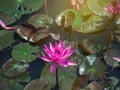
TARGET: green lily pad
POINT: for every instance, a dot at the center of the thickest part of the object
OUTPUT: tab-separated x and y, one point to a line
13	68
38	84
40	20
93	67
6	38
98	6
24	52
66	77
114	82
28	6
72	17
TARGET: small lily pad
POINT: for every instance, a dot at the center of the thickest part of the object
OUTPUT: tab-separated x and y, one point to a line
6	38
29	6
40	20
13	68
38	84
24	52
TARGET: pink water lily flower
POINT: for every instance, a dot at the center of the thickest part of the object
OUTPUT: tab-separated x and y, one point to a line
2	25
116	58
57	54
114	8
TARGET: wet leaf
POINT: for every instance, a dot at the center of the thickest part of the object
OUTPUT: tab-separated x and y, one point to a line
32	34
80	83
24	52
28	6
38	84
97	6
6	38
93	86
114	82
93	67
65	75
40	20
12	68
89	46
116	35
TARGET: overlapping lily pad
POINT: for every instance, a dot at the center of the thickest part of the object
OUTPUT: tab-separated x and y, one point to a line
40	20
98	6
66	77
24	52
93	67
13	68
28	6
6	38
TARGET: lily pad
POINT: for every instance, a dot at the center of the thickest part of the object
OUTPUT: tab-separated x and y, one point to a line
40	20
29	6
38	84
93	67
65	75
98	6
6	38
24	52
89	46
13	68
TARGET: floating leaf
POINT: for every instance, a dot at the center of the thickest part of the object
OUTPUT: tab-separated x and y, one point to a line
38	84
114	82
80	83
40	20
116	35
32	34
72	17
89	46
24	52
98	6
6	38
28	6
93	67
65	75
13	68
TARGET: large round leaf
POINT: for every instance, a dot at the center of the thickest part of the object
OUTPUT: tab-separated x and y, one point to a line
66	77
98	6
28	6
40	20
13	68
24	52
6	38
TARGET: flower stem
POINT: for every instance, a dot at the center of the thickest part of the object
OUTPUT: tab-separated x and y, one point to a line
57	84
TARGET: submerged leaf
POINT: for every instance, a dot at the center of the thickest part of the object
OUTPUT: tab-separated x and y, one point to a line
24	52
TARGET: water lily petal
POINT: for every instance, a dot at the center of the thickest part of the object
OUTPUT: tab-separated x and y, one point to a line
66	51
63	63
46	59
67	55
71	63
2	24
54	66
52	48
116	58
